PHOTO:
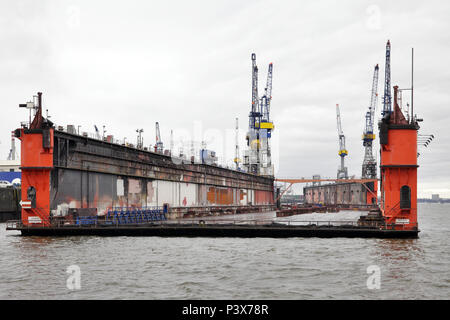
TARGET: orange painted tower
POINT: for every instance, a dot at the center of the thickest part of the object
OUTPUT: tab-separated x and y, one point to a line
398	178
372	193
36	164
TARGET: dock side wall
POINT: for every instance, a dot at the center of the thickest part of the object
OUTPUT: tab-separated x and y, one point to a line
336	194
90	173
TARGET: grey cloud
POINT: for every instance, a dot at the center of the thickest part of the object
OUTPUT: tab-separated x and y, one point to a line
127	65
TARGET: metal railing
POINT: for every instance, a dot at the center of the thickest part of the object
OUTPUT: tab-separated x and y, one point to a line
96	136
95	222
264	222
13	224
142	217
290	223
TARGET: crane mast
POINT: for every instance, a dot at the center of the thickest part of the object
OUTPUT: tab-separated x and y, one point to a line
12	151
158	145
255	113
252	158
266	126
267	97
257	158
342	170
387	101
369	167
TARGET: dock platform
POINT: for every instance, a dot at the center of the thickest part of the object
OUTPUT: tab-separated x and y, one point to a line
215	229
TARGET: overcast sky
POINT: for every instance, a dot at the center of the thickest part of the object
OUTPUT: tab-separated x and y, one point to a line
186	64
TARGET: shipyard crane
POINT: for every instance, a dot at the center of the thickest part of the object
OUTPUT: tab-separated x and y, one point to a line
236	155
369	167
266	126
257	159
266	98
12	151
252	158
140	140
158	145
387	101
255	113
342	170
97	132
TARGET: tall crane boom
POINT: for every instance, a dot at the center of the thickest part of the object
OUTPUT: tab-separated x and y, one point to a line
342	170
267	97
373	103
255	113
369	168
387	101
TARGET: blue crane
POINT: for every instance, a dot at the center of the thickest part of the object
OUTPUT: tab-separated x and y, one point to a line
265	103
255	113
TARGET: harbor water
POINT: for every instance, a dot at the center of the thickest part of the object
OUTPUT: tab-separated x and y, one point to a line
231	268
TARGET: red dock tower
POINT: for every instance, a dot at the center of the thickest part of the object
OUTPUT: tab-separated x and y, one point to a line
398	178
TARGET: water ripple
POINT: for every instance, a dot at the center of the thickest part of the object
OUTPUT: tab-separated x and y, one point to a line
231	268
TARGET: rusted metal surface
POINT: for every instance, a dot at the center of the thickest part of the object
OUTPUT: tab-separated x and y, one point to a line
91	173
337	194
364	182
294	210
207	211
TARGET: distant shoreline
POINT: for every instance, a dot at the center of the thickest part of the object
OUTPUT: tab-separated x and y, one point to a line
433	201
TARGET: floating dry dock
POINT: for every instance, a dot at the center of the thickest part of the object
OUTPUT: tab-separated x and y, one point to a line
77	185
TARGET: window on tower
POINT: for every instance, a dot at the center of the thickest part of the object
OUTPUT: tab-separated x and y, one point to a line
405	197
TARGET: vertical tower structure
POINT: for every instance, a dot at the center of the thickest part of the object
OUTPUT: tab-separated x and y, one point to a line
387	103
342	172
252	157
398	177
369	167
36	165
159	146
12	151
257	158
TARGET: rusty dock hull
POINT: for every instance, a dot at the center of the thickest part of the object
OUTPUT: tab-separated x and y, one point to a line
95	174
351	195
79	175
